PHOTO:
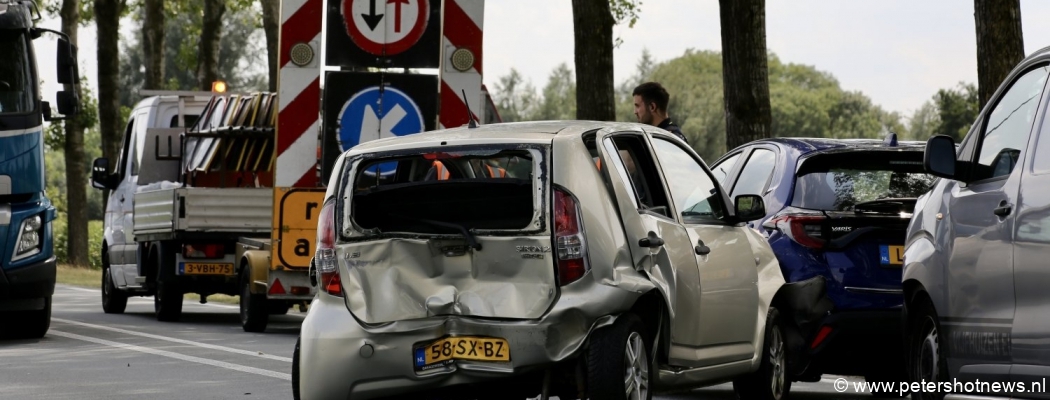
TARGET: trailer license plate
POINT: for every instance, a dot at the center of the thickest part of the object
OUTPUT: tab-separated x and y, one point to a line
891	255
190	268
444	351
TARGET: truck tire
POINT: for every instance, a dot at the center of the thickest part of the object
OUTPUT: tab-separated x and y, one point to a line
167	301
28	324
114	300
770	381
618	364
255	313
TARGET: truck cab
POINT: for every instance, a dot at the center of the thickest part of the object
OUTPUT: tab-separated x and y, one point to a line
27	260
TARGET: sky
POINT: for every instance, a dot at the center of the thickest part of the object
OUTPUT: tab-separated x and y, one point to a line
897	52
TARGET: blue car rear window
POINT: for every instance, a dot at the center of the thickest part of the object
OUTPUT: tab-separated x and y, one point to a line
839	183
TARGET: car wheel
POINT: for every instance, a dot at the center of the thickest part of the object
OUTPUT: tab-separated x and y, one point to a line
254	312
295	370
618	364
29	324
926	362
167	302
770	381
114	300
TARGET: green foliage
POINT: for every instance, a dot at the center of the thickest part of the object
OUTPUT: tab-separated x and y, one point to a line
515	98
806	102
242	51
54	156
625	10
957	108
95	237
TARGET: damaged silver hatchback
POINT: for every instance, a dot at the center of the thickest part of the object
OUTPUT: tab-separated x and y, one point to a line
571	259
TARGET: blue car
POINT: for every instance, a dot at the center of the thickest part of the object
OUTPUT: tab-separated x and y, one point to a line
837	210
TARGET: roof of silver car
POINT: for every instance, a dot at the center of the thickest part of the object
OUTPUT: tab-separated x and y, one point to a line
538	130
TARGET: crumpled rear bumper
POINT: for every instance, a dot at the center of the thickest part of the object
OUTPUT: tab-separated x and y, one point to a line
342	359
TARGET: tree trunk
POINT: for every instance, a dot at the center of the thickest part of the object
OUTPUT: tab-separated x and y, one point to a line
211	35
107	24
1000	45
76	168
745	73
153	44
271	25
593	23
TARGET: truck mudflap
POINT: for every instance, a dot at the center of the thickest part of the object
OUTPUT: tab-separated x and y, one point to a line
805	304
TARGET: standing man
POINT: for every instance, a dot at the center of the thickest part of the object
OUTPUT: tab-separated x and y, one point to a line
650	106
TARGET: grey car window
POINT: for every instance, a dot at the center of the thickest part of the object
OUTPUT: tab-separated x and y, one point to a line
693	191
756	173
721	170
1009	124
1041	162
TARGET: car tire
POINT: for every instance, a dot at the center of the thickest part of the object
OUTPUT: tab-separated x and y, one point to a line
770	381
114	301
255	313
618	364
925	358
295	370
28	324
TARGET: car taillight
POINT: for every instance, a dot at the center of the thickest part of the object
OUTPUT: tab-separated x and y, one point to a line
203	250
324	256
568	239
806	230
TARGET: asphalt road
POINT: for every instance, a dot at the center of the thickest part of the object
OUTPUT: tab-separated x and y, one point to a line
91	355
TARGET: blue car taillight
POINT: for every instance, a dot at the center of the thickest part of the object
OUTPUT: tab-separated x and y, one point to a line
804	227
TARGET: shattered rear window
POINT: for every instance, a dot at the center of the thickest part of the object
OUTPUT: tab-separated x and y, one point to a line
445	192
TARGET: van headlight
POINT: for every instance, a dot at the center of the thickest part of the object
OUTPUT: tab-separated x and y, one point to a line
30	238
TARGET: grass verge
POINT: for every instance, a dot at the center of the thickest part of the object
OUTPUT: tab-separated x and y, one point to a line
92	278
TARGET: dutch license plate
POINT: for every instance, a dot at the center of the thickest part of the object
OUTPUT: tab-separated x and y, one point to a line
891	255
191	268
445	351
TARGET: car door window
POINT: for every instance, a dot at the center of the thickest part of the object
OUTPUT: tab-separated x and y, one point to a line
694	192
1006	131
636	167
721	170
1041	157
756	173
122	163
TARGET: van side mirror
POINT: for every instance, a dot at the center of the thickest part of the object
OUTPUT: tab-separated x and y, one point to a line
749	207
939	158
100	177
67	63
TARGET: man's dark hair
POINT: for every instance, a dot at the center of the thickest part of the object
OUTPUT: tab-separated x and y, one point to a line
653	92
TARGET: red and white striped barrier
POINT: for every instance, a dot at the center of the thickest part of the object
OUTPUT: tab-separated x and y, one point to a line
299	93
461	34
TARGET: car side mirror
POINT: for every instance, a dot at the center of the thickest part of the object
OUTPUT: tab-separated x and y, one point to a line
939	158
100	174
68	103
749	207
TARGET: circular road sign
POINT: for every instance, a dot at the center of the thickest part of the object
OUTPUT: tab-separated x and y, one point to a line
385	27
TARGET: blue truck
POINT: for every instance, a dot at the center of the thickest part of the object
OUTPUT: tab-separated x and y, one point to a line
27	260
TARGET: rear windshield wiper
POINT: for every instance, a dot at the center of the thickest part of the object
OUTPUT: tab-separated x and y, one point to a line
472	241
885	206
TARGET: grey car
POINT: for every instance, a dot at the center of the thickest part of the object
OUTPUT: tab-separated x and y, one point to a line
577	259
976	273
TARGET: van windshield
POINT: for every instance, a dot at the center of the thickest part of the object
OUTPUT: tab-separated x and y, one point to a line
16	79
841	183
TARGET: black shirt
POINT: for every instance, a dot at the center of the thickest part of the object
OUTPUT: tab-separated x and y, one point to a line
669	126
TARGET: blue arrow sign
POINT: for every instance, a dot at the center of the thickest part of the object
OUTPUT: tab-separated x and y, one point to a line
375	113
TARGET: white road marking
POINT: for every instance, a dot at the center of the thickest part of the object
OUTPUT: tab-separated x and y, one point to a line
139	299
177	356
175	340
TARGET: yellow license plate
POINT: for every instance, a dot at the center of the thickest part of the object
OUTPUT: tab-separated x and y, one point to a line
190	268
462	348
891	255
